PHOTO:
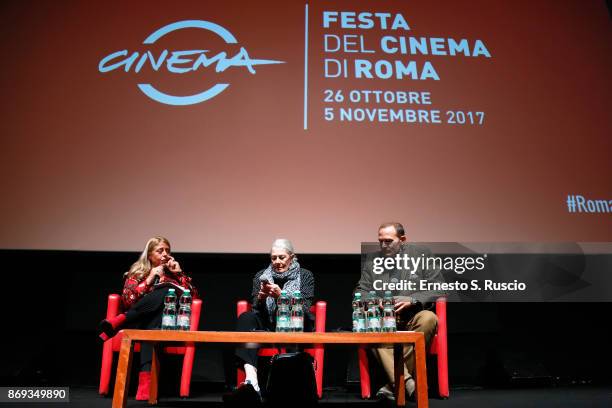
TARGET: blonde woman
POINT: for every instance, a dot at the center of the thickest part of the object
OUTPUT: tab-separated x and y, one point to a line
144	289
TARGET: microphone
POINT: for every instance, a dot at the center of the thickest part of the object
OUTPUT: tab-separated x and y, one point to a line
156	278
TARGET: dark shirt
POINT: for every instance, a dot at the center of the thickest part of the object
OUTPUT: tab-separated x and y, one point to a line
424	298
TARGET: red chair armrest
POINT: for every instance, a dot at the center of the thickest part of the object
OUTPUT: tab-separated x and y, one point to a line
242	306
113	306
441	313
196	309
320	314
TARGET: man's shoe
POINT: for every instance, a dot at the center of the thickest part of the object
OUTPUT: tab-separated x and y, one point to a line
386	393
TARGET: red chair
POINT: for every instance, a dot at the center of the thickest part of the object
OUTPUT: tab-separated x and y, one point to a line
438	346
114	344
320	312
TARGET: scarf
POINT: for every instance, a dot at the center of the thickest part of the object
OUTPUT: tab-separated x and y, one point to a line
293	277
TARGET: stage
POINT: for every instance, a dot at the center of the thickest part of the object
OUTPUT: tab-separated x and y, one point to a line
204	395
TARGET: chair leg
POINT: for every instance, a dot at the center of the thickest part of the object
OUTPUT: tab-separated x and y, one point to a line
442	349
107	364
364	373
319	358
187	370
443	390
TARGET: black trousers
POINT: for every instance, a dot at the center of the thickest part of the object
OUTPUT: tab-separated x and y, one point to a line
257	321
146	314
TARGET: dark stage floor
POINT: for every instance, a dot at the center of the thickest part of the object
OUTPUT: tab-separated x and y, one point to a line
578	396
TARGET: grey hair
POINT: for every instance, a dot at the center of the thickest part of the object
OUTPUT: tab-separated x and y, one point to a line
284	244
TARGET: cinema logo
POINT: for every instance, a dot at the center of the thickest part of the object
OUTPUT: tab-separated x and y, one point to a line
182	61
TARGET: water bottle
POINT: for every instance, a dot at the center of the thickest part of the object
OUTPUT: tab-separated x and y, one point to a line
373	313
359	319
297	312
389	324
183	321
283	314
169	316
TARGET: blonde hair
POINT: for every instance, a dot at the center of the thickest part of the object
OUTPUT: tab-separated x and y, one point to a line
141	268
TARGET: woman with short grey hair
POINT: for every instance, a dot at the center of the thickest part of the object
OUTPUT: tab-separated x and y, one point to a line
283	273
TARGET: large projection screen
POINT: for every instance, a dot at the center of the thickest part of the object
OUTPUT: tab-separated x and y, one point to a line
225	124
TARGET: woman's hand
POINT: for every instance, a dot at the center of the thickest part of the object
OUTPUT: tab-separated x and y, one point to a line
173	266
157	271
271	289
261	295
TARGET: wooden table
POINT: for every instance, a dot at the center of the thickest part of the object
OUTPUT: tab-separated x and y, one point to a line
253	339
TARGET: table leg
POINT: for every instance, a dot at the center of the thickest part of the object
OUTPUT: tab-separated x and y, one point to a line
398	367
154	375
122	379
420	377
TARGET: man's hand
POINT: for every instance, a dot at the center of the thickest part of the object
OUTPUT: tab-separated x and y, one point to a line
402	305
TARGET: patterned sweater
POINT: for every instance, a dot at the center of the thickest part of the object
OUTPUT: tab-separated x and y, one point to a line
134	290
307	288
